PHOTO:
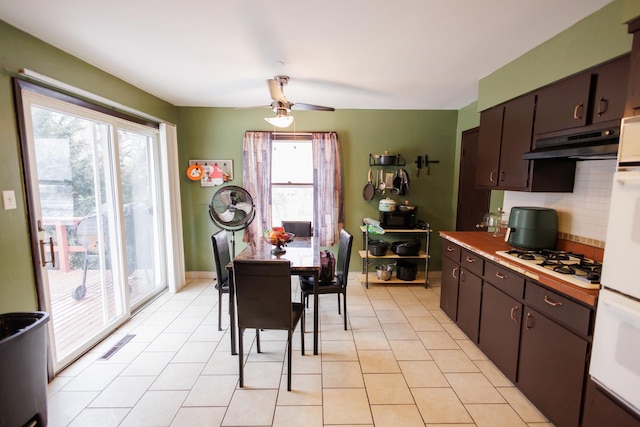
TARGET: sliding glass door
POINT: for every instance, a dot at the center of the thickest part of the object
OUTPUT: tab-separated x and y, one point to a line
93	195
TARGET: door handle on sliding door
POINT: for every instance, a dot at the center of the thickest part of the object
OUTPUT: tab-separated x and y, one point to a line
43	256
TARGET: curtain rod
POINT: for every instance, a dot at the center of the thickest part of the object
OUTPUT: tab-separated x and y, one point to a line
292	133
284	133
57	84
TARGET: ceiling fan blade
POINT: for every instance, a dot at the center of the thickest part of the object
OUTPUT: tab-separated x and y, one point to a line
301	106
245	206
276	91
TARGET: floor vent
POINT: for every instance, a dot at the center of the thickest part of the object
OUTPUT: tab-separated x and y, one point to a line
117	347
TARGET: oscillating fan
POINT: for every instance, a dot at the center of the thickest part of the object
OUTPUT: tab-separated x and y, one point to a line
232	209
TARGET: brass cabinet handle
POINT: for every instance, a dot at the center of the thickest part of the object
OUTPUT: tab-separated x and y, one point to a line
552	303
492	176
461	276
502	175
513	314
501	276
575	111
602	102
471	260
453	273
43	257
529	322
450	249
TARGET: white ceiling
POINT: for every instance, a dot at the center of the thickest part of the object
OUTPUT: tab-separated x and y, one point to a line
363	54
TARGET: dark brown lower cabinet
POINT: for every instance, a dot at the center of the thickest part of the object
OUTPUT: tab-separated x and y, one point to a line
469	298
500	318
449	287
552	368
602	410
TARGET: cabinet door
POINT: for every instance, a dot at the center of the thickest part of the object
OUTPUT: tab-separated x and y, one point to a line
563	105
489	147
469	297
449	287
500	321
602	410
633	102
551	370
611	90
517	131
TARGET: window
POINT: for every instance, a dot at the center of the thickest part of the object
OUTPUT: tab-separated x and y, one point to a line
292	181
326	202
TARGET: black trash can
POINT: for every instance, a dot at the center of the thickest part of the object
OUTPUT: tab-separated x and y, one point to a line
23	369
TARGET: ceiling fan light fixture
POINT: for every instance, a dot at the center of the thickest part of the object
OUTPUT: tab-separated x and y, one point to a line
280	120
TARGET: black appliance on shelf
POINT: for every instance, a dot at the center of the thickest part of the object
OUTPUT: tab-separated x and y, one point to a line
398	219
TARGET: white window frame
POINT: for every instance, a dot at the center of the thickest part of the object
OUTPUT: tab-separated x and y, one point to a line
289	184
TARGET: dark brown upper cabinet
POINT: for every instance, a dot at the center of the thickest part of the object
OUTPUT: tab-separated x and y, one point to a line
505	135
563	105
594	96
611	90
506	132
633	92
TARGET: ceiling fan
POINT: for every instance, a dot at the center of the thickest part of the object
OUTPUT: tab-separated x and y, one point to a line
281	105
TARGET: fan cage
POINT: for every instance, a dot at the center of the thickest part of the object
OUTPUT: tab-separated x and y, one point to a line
218	207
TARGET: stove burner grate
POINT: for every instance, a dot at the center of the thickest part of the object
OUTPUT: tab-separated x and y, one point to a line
562	262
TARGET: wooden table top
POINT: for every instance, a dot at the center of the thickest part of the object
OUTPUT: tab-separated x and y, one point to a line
303	253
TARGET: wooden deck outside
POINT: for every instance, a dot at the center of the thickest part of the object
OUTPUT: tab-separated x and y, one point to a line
76	321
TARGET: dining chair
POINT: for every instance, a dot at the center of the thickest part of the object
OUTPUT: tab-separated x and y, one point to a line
263	297
339	284
221	257
299	228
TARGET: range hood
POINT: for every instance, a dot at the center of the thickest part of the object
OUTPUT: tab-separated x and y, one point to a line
592	144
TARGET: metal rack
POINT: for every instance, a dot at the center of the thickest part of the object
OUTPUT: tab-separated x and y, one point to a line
367	277
400	161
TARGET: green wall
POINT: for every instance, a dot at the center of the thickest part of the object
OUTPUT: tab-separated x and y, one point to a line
595	39
630	10
216	133
18	50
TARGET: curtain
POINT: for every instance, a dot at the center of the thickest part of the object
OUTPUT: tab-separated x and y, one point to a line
171	194
329	212
256	178
327	178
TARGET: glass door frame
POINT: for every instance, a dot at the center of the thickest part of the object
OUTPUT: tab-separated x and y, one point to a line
33	207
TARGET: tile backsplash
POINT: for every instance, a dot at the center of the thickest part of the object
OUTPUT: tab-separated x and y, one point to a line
583	214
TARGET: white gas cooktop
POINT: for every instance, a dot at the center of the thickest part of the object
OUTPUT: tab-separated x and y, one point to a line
575	276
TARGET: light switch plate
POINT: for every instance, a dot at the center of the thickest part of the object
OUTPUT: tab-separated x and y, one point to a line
9	199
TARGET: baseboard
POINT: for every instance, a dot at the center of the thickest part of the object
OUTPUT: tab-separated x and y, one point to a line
200	275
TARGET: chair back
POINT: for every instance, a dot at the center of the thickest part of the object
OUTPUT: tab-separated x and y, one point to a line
263	293
344	256
221	256
299	228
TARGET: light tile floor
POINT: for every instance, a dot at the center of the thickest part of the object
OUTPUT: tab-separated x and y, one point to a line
401	363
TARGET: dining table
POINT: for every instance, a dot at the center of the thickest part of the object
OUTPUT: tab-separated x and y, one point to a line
304	255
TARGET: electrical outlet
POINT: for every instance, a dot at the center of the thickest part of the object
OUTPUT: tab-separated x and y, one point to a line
9	199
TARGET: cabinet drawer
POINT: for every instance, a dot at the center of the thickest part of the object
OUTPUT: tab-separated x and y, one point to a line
505	279
472	262
558	307
451	250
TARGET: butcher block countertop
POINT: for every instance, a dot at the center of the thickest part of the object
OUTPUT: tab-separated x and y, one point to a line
485	244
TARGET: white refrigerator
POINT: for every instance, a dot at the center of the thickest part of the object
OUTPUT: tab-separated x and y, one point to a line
615	356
